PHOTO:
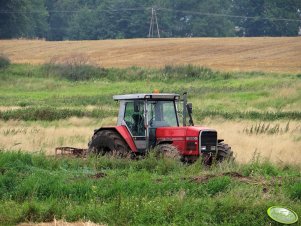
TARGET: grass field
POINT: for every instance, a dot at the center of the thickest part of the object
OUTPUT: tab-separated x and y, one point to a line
147	192
231	54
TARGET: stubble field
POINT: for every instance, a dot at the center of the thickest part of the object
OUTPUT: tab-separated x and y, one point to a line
279	54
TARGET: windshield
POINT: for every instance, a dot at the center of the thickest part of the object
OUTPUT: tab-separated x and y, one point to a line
161	114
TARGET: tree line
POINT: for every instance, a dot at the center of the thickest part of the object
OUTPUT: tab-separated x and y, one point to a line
112	19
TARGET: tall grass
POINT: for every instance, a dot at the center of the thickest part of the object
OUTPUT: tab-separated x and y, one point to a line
148	191
267	128
4	61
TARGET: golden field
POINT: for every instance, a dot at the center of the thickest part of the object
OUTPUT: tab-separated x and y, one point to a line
269	54
281	147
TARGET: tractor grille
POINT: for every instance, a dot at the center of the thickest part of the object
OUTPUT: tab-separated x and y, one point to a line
208	141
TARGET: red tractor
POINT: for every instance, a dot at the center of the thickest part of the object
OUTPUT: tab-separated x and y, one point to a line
151	121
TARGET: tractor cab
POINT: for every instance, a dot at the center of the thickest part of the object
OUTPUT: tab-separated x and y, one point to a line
143	113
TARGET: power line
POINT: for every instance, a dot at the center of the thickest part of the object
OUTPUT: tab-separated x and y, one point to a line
230	15
72	11
159	9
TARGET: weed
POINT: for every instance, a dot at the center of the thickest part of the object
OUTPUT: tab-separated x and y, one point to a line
266	128
4	61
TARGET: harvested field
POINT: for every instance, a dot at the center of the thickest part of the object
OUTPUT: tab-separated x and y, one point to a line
279	54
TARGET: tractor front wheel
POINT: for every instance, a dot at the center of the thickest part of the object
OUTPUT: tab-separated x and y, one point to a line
168	151
109	142
224	153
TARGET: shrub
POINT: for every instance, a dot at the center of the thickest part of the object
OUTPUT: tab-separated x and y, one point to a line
74	68
4	61
189	71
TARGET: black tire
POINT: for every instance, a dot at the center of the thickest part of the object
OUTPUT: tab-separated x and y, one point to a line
224	153
168	151
109	142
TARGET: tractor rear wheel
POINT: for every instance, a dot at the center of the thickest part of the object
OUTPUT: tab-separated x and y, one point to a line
224	153
168	151
109	142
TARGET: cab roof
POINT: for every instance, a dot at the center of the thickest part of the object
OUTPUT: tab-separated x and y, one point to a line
143	96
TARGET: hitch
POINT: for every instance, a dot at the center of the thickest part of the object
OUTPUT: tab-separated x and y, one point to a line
71	151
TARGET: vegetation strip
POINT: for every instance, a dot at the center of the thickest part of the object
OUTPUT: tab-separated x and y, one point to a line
51	114
38	188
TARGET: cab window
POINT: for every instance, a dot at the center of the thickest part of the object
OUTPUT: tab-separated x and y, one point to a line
134	117
162	114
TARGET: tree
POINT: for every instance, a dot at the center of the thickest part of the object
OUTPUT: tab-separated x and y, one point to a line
13	18
23	18
264	17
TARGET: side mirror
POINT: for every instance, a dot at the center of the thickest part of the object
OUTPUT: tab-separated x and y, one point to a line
189	108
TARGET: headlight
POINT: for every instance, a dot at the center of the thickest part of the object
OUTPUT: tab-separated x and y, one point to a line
203	148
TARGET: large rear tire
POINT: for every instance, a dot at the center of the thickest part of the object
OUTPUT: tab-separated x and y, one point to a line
109	142
224	153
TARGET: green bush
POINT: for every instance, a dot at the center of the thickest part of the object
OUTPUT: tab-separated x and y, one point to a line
4	61
75	67
74	72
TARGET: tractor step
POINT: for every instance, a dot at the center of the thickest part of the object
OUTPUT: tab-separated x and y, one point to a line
71	151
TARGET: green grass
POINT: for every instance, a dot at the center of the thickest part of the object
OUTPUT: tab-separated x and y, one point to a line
52	114
145	192
251	95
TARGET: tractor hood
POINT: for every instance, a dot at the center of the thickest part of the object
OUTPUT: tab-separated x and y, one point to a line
186	131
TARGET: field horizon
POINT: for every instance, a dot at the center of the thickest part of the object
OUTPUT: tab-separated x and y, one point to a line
268	54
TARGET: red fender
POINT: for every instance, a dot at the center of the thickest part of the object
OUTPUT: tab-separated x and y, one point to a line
124	133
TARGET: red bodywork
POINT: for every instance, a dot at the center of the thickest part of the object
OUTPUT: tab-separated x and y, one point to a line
123	131
186	139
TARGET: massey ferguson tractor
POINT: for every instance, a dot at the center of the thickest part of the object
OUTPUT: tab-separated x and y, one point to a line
151	122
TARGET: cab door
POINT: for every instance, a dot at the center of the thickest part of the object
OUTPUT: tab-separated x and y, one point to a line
134	118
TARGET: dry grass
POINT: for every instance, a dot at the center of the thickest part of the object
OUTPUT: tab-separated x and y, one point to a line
280	54
44	138
8	108
281	147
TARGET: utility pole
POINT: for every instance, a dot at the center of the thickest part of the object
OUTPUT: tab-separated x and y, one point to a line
153	20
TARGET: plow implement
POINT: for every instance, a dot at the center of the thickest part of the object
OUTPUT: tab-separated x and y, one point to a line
71	151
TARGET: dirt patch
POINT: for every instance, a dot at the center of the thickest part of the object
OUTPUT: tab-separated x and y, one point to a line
98	176
235	175
267	185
